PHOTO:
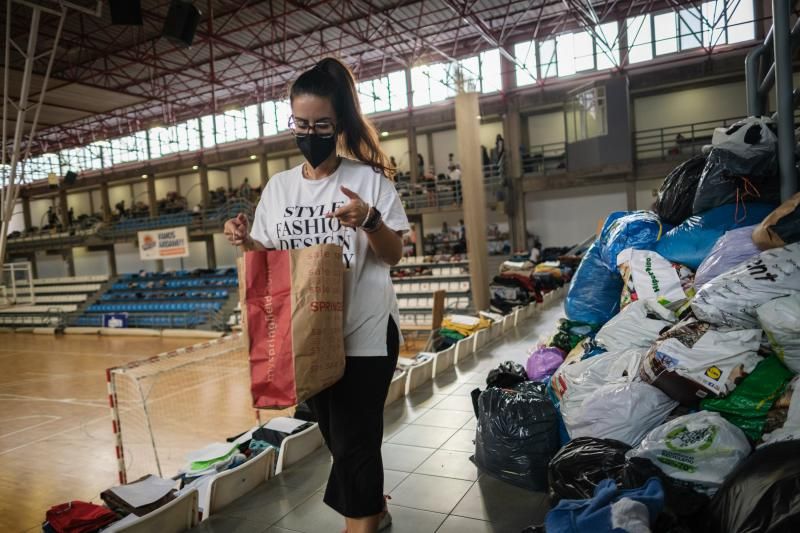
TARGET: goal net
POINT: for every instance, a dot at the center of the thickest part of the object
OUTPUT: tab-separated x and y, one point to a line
175	402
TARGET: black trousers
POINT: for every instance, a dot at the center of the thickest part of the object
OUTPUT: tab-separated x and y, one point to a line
350	415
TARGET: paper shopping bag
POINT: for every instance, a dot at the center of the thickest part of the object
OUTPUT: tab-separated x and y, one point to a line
293	316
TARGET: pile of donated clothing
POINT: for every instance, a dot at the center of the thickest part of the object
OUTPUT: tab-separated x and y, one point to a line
521	282
665	400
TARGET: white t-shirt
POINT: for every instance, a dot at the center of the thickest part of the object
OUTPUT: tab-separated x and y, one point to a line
291	214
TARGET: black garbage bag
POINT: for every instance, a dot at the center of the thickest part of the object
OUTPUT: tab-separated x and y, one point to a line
742	167
680	497
582	463
506	375
517	434
762	495
676	194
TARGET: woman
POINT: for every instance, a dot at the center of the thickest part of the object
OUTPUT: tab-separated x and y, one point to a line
351	202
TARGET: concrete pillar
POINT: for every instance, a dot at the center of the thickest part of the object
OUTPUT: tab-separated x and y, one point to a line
412	152
513	138
151	195
205	199
263	173
62	209
26	212
431	162
112	260
69	257
469	149
106	207
211	252
34	268
630	195
159	265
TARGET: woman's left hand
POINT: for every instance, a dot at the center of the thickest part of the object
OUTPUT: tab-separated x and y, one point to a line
352	214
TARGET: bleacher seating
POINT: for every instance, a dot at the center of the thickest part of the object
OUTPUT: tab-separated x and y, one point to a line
178	299
53	299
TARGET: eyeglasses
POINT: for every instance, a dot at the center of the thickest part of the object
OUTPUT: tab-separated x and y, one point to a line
301	128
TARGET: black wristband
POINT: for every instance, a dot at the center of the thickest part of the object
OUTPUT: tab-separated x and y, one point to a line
373	220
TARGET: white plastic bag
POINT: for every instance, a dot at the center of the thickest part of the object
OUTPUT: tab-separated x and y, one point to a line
791	427
701	448
648	276
622	412
780	319
689	371
637	326
731	299
572	384
731	250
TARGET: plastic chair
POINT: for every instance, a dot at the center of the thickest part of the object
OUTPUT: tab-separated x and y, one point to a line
464	347
297	447
419	374
177	516
226	487
444	360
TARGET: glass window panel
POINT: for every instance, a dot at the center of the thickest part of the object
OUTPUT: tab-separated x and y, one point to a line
583	49
420	86
714	23
282	112
525	70
666	31
398	92
251	121
270	121
547	56
380	87
640	47
366	96
691	28
207	125
440	80
740	21
471	72
607	45
491	77
565	47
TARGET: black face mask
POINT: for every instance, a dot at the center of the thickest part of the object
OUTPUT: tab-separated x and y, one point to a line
316	149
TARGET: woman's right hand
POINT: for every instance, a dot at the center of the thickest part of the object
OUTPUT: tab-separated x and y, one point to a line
237	230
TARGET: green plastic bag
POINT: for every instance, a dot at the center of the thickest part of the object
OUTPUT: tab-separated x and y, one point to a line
746	407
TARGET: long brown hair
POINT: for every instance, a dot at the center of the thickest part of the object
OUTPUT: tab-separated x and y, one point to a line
330	78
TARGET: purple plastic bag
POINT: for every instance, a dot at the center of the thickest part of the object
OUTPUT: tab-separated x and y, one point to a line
543	362
731	250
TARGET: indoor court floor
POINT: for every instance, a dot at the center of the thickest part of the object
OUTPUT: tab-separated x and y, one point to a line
56	439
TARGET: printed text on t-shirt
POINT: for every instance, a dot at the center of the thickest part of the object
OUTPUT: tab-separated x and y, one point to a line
305	225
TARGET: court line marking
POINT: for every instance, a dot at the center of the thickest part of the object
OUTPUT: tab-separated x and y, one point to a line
51	418
68	401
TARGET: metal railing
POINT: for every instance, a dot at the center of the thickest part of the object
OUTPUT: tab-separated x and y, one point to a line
205	220
543	159
446	193
682	141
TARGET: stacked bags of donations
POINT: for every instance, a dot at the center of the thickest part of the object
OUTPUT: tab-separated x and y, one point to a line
522	282
677	361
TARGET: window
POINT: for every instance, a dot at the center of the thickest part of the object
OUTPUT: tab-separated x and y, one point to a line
432	83
398	90
586	115
387	93
276	116
181	137
565	54
714	23
130	148
547	57
607	45
740	21
666	32
583	51
525	54
639	39
470	70
691	29
236	125
207	128
491	74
